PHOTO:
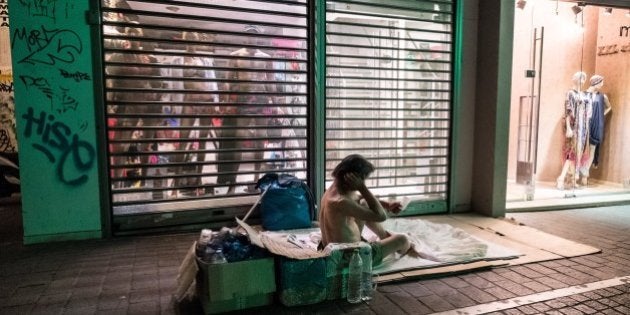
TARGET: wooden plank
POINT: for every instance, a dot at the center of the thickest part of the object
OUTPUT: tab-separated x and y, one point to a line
388	278
451	269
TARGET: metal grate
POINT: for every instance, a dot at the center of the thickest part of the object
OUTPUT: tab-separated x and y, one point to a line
202	98
388	92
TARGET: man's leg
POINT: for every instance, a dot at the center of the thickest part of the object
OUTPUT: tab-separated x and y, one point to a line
390	243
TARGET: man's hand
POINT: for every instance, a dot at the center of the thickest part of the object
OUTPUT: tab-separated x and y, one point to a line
393	207
354	181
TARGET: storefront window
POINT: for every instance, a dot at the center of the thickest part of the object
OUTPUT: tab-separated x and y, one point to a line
569	88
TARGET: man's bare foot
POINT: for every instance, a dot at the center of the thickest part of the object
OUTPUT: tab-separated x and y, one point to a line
412	252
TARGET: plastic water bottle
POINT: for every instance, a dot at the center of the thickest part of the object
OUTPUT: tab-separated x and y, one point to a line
354	278
366	281
218	257
204	239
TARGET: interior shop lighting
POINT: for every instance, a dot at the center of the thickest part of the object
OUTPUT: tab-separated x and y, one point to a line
608	11
521	4
576	9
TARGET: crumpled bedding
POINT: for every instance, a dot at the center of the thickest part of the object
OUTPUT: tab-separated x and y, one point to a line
438	242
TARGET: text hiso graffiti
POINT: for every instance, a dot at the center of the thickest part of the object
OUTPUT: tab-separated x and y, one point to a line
60	146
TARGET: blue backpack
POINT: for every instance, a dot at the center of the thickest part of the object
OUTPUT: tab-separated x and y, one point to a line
286	202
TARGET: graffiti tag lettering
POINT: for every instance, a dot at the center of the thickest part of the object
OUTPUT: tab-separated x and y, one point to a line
60	146
4	87
41	8
49	46
60	102
77	76
4	13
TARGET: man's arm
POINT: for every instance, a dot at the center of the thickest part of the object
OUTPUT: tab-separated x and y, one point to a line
374	211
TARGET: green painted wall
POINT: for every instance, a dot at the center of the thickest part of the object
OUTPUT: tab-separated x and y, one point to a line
55	113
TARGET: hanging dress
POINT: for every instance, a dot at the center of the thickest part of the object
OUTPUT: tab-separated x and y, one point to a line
575	148
597	123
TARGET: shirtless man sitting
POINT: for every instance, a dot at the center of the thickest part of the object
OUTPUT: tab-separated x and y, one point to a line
344	212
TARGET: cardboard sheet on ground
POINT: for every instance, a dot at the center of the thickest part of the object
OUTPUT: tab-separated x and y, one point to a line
448	243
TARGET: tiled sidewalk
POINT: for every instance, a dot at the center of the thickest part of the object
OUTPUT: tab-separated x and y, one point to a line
136	275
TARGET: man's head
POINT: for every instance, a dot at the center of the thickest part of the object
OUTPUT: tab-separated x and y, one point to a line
354	163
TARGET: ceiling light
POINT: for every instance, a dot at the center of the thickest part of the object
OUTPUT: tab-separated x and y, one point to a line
521	4
576	9
608	11
172	8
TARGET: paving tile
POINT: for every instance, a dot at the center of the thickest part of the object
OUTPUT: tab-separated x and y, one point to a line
89	310
514	276
540	268
527	272
148	307
536	286
478	282
551	282
555	304
407	303
48	309
455	282
56	298
570	311
526	309
624	309
513	311
436	303
459	299
491	275
564	278
478	295
514	287
585	309
541	307
500	293
416	289
438	287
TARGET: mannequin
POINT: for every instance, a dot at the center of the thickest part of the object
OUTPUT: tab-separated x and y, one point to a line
251	100
196	115
600	106
575	122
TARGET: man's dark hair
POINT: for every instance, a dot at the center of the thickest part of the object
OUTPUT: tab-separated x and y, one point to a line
353	163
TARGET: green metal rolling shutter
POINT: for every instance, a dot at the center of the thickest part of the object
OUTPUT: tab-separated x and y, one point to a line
388	94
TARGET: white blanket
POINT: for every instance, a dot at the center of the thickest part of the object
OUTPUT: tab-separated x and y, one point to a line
438	244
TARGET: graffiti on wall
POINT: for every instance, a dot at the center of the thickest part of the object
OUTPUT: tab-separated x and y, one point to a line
8	142
48	9
48	47
62	148
4	13
51	54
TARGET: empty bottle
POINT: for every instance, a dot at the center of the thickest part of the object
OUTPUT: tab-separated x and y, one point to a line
366	280
218	257
355	269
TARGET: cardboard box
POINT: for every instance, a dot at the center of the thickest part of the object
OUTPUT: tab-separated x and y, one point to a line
235	286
